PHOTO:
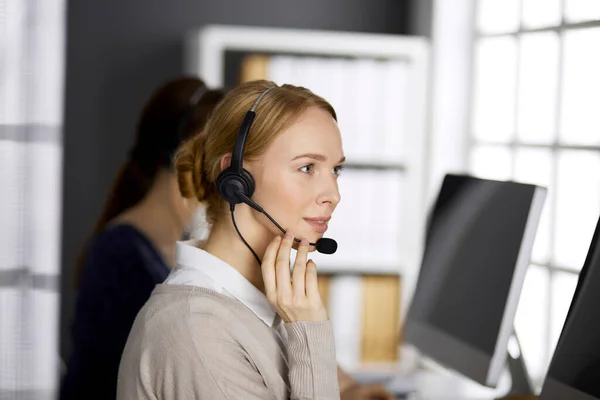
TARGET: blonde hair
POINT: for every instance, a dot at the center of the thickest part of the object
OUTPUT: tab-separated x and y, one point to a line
198	161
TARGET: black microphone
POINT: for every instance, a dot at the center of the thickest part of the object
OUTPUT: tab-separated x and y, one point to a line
326	246
323	245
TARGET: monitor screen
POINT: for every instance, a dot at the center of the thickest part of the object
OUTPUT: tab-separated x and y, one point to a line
574	372
479	239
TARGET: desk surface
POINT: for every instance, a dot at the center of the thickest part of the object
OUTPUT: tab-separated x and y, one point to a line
438	386
435	384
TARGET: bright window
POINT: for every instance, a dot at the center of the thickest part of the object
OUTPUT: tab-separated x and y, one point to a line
535	117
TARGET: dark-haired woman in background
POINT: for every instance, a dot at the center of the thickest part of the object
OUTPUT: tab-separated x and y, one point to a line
133	244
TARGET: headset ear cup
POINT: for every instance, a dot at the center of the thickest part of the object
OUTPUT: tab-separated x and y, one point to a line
247	177
228	183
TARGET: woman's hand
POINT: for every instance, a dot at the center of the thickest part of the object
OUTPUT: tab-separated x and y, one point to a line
350	389
298	298
366	392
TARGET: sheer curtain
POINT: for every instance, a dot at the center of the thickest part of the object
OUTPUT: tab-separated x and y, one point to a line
32	36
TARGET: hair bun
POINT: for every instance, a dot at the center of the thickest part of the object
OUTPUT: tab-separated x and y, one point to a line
189	166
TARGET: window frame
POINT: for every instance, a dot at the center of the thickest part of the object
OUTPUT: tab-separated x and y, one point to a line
514	144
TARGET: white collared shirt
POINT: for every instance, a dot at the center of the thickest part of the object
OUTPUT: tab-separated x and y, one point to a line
196	267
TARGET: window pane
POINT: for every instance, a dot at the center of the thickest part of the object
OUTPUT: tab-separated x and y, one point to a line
538	79
491	162
12	337
582	10
11	182
563	288
541	13
494	95
577	206
531	320
42	318
535	166
580	118
45	245
497	16
14	74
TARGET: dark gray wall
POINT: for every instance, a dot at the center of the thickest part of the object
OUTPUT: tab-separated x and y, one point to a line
118	51
420	21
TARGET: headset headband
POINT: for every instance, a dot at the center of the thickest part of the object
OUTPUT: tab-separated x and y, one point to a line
197	95
185	119
237	157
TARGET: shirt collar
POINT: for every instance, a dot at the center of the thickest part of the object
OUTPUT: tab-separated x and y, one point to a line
197	267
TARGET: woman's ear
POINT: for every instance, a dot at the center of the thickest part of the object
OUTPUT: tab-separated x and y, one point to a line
225	161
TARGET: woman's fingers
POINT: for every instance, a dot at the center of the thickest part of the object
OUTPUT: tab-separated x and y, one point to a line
282	268
298	300
299	271
268	268
312	285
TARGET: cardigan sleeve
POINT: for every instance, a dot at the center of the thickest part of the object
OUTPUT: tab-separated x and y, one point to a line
312	361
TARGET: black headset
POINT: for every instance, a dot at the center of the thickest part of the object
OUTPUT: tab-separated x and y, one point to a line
234	183
184	122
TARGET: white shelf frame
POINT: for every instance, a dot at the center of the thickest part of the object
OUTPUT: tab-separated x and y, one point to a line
205	56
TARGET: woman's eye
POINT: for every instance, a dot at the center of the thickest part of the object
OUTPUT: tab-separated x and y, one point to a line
338	170
307	169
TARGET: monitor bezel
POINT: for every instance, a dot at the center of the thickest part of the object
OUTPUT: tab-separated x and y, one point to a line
455	353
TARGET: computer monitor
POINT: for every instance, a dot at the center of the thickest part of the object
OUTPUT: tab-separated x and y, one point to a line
574	372
478	244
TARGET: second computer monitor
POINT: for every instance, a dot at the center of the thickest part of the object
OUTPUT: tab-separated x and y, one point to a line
478	246
574	372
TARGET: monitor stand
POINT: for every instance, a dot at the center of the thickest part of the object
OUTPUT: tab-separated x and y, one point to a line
521	386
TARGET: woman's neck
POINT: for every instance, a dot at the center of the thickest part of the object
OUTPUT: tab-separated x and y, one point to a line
156	218
224	243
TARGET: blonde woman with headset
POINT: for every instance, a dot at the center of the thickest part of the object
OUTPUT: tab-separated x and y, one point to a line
231	320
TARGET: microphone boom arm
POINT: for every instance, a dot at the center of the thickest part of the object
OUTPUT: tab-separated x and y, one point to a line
330	247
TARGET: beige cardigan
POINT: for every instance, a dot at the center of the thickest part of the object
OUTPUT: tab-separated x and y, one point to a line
189	342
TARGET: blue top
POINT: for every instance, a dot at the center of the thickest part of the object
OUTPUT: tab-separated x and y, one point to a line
122	267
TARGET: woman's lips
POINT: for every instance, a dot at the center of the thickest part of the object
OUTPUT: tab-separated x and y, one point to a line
320	225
